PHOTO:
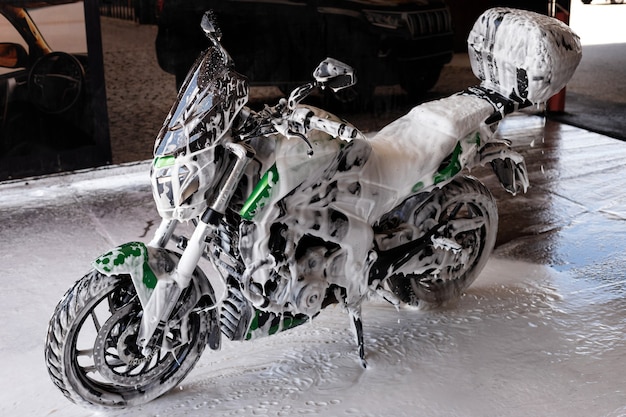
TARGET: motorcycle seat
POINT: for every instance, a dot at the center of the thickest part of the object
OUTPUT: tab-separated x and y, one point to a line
407	153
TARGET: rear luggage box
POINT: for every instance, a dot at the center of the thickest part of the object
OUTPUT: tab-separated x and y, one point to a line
521	54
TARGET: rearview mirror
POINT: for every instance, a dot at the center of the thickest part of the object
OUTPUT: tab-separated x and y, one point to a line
334	74
210	27
12	55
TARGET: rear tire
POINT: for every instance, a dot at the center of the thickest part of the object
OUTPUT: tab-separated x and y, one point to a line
464	198
90	351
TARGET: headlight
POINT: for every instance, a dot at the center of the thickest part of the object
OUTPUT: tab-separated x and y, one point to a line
174	184
189	184
162	181
180	183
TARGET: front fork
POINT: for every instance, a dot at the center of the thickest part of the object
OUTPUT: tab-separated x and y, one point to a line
168	288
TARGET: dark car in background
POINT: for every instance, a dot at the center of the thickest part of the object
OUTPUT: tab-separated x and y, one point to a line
279	42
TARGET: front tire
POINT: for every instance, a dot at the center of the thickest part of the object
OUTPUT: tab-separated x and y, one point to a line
471	205
90	348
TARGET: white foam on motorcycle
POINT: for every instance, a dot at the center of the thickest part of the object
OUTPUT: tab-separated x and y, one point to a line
410	149
523	53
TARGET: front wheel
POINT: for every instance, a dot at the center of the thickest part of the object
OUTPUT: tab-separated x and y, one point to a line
91	351
465	215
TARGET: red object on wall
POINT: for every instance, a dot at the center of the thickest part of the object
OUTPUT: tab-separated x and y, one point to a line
556	103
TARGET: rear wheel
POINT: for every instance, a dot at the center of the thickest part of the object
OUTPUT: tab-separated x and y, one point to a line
91	349
464	213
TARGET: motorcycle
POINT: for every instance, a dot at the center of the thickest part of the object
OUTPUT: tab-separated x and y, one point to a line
297	210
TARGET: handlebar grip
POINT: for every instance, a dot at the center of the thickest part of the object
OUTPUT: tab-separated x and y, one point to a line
334	128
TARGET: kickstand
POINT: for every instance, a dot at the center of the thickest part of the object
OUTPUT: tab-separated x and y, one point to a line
357	329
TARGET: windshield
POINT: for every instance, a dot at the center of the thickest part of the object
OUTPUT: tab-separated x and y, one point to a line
209	100
63	27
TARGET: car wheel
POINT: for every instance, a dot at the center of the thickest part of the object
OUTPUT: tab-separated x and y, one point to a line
417	80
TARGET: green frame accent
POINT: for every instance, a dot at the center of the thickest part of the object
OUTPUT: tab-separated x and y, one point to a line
281	323
453	168
261	193
417	187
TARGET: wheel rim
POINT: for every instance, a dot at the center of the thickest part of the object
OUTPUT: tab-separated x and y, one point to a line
470	238
101	355
116	355
461	217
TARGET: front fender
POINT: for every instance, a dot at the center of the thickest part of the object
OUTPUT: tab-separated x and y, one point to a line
146	265
143	264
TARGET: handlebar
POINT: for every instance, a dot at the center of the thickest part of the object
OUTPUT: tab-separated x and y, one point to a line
302	120
292	122
335	128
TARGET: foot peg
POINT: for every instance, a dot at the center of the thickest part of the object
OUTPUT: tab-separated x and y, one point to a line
512	175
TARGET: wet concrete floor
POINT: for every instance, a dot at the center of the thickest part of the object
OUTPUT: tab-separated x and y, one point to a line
574	213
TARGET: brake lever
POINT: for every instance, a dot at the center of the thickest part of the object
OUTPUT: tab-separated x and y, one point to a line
310	152
286	127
